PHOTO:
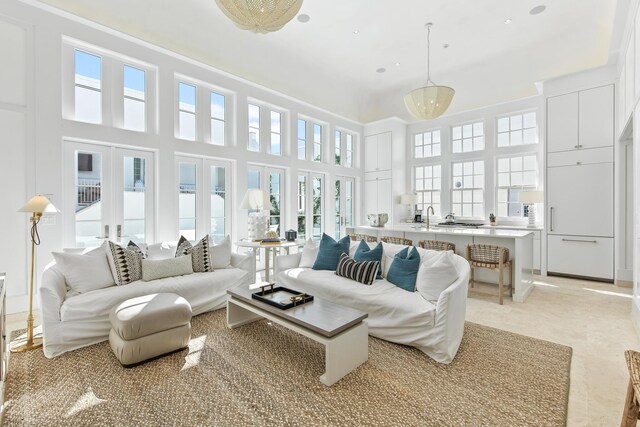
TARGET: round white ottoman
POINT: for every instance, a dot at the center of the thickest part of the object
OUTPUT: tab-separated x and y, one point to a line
149	326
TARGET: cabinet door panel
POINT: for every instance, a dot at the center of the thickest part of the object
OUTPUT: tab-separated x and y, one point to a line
596	117
370	197
580	200
582	256
384	197
562	122
384	151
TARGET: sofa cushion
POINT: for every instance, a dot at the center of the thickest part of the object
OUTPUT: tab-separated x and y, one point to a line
153	269
434	277
330	251
364	252
200	255
220	254
85	273
162	250
309	254
363	272
404	269
126	264
389	251
195	288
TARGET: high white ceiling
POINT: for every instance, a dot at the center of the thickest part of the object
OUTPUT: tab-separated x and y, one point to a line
324	63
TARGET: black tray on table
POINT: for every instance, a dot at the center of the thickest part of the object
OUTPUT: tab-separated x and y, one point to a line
281	297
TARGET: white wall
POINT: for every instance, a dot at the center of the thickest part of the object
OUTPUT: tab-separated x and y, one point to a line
32	131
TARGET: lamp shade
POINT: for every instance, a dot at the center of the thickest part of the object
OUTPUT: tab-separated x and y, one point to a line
429	102
255	199
407	199
38	204
260	16
528	197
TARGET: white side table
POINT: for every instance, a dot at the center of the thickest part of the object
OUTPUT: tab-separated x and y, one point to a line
268	253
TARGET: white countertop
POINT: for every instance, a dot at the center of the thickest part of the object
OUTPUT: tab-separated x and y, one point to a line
487	232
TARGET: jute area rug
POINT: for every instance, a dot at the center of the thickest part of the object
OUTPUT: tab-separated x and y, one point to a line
264	375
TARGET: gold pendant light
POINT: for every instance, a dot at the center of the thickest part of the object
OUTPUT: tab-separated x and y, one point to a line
260	16
430	101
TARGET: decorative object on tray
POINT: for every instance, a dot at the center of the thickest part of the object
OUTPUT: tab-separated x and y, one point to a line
378	220
271	235
492	219
291	235
275	241
280	297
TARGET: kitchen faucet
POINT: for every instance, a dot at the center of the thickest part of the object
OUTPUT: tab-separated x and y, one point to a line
429	208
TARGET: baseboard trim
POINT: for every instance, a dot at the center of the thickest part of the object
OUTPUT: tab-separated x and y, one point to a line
575	276
624	284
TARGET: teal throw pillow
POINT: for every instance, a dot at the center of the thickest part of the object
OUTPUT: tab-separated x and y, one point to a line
329	252
365	253
404	269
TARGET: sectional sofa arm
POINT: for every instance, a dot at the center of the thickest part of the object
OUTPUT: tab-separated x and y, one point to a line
53	291
244	262
285	262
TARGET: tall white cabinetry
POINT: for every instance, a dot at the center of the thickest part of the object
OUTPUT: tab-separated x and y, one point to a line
378	194
580	183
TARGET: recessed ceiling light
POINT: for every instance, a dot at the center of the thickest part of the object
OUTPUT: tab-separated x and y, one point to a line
381	70
303	17
508	21
397	64
356	32
446	45
537	10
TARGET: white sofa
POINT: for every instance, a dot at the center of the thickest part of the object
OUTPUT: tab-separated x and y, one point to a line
394	314
71	322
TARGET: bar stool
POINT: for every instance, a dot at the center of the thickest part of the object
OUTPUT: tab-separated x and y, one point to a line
631	406
437	245
397	240
494	258
365	237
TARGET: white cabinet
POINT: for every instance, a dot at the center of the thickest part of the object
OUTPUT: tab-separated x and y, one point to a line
581	256
377	196
562	122
596	117
377	152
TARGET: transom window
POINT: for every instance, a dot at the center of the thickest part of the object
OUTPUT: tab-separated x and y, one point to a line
349	151
515	174
338	139
187	111
254	128
88	87
428	186
517	129
467	194
427	144
317	142
217	119
134	113
467	138
302	139
276	130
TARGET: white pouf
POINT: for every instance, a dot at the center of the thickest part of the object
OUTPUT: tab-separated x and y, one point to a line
149	326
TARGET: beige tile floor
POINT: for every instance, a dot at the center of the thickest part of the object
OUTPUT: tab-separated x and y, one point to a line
593	318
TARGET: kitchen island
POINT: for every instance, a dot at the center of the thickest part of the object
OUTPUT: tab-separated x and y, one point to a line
519	243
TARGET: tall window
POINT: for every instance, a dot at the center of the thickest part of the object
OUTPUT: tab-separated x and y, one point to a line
276	130
428	186
217	119
514	175
88	87
317	208
254	128
349	151
338	139
466	138
187	111
302	139
302	207
275	189
134	99
338	210
218	199
467	193
517	129
317	142
133	199
187	199
427	144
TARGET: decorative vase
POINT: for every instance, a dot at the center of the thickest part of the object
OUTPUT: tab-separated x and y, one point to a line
257	225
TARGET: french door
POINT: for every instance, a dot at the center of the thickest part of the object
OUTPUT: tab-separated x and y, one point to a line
271	181
344	205
310	192
108	194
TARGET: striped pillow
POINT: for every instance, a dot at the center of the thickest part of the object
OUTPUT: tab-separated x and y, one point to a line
363	272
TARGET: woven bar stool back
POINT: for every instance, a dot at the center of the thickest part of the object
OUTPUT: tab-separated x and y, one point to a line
397	240
365	237
436	245
494	258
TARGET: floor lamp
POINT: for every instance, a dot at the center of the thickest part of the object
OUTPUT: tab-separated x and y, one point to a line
36	206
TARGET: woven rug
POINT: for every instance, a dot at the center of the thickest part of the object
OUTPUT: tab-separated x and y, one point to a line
264	375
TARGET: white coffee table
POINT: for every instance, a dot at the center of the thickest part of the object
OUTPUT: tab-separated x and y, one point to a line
343	331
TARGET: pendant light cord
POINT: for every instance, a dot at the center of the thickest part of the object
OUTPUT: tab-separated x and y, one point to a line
429	54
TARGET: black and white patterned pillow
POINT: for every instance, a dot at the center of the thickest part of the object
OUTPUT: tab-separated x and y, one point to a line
200	253
363	271
126	264
132	246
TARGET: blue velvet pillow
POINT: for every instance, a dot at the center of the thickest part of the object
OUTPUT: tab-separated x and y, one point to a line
404	269
365	253
329	252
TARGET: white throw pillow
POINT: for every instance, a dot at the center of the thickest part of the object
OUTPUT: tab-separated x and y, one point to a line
435	277
220	254
162	250
309	254
153	269
85	273
389	250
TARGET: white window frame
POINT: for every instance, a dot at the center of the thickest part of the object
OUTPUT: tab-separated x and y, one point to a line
428	187
317	142
337	138
469	135
132	96
194	113
515	129
222	119
421	146
309	214
511	186
304	138
276	133
474	190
